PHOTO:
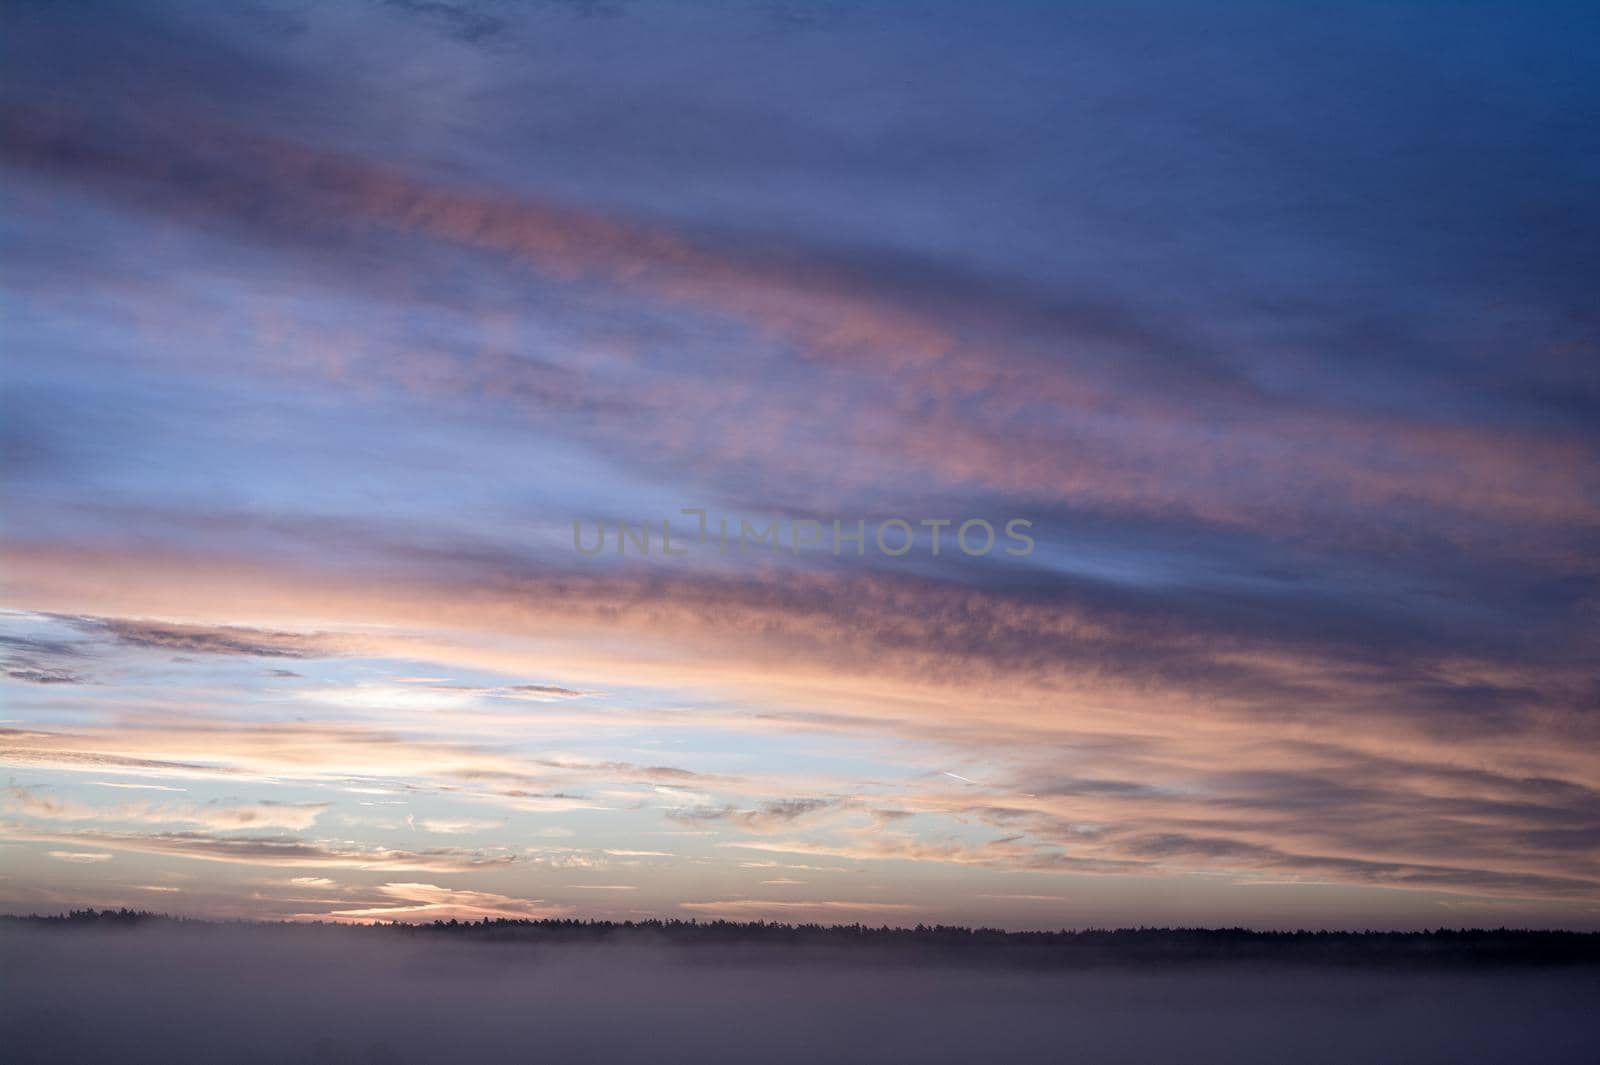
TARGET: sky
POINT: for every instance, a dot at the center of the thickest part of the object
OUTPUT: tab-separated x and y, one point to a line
1262	337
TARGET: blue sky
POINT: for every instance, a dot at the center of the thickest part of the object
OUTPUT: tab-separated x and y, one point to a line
323	324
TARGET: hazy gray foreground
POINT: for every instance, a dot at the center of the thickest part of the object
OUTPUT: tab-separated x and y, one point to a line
223	994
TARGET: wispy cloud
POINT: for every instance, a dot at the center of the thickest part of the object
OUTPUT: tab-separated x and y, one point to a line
751	909
211	639
429	902
214	816
768	817
273	851
462	826
44	676
81	857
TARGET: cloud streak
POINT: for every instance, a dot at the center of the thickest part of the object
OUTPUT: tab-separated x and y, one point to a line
429	902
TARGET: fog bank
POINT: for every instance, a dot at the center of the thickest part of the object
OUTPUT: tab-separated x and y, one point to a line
260	995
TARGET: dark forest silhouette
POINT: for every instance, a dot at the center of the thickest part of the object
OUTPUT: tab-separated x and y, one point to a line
1065	948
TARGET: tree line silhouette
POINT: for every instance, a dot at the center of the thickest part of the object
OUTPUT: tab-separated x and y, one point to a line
1092	946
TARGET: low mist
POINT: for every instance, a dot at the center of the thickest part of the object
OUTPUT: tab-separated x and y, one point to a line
173	994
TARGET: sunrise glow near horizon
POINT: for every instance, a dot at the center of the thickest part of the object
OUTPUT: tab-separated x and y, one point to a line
1275	329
